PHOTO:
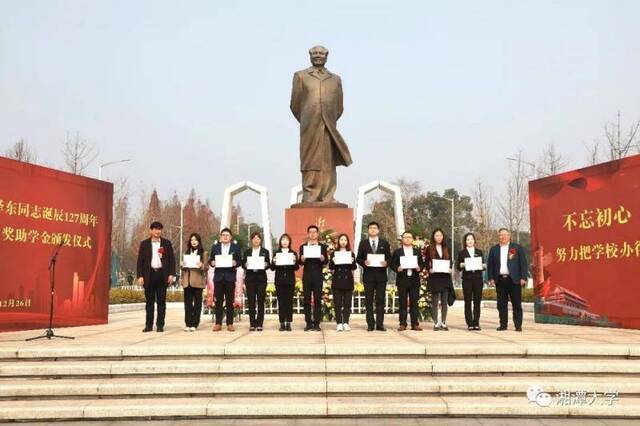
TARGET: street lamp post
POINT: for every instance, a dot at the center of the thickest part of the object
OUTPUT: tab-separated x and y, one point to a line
103	165
452	225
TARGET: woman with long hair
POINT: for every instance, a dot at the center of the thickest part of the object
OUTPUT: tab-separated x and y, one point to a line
285	281
471	281
439	283
193	280
342	282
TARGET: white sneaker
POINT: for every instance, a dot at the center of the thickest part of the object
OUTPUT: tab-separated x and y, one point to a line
186	329
192	329
346	327
340	328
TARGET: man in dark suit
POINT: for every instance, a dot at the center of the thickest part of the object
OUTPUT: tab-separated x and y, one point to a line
255	281
408	281
312	279
508	271
373	277
155	270
224	278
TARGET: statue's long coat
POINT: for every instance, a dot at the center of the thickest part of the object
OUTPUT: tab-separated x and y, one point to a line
316	102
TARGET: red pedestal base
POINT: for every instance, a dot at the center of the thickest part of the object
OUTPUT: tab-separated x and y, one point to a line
338	219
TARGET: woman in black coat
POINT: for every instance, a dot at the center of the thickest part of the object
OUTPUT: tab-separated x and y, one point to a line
285	282
472	282
439	284
342	283
255	281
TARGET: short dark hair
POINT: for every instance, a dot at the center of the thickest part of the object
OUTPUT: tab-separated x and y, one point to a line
408	232
156	225
255	234
464	239
373	223
287	236
223	230
310	227
503	229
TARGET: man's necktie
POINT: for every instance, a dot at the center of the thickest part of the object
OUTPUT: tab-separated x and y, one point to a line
374	246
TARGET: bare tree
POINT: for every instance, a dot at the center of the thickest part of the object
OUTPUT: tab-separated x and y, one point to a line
621	145
512	207
78	154
484	214
551	162
593	152
21	151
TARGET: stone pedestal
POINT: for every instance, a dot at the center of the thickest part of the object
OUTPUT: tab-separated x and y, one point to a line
297	219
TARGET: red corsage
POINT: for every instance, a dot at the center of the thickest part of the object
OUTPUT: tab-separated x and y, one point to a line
161	251
512	253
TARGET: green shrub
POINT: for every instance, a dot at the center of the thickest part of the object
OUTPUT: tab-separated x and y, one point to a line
120	295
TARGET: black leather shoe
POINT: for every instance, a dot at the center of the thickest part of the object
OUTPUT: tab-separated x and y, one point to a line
317	328
160	329
381	329
501	328
308	327
287	326
369	328
282	328
518	328
147	329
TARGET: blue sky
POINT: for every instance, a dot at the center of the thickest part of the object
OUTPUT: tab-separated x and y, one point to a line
197	92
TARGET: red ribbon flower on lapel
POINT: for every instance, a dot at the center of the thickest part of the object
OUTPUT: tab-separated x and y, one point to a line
161	252
512	253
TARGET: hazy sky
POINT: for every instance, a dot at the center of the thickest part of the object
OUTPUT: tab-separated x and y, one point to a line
197	92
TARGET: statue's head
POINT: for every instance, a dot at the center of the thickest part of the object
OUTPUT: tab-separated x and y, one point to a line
318	55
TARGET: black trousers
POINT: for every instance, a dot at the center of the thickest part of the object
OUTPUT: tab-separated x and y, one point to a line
342	304
155	292
312	286
256	293
413	293
506	289
472	290
284	293
192	306
375	289
224	291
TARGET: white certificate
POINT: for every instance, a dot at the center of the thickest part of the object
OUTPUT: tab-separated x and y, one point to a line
284	259
473	264
191	261
342	258
409	262
255	263
441	265
224	261
375	260
311	252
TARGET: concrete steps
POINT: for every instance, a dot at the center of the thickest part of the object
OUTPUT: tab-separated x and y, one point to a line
182	381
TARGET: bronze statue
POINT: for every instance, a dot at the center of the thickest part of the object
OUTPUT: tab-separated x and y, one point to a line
316	102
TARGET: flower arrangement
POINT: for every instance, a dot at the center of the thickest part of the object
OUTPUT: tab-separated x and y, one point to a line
424	301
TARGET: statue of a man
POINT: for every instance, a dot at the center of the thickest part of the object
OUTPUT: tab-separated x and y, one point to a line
316	102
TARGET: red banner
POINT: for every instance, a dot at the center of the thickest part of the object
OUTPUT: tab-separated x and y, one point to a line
42	209
585	232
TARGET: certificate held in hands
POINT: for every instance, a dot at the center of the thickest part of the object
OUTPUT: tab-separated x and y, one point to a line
409	262
255	263
342	258
441	266
375	260
224	261
190	261
311	252
473	264
285	259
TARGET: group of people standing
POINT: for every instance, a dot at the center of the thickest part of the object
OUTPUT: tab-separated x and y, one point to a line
506	267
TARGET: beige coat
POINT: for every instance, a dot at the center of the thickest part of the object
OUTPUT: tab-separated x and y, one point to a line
195	278
316	102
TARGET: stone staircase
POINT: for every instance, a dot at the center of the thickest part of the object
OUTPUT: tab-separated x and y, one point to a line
316	380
